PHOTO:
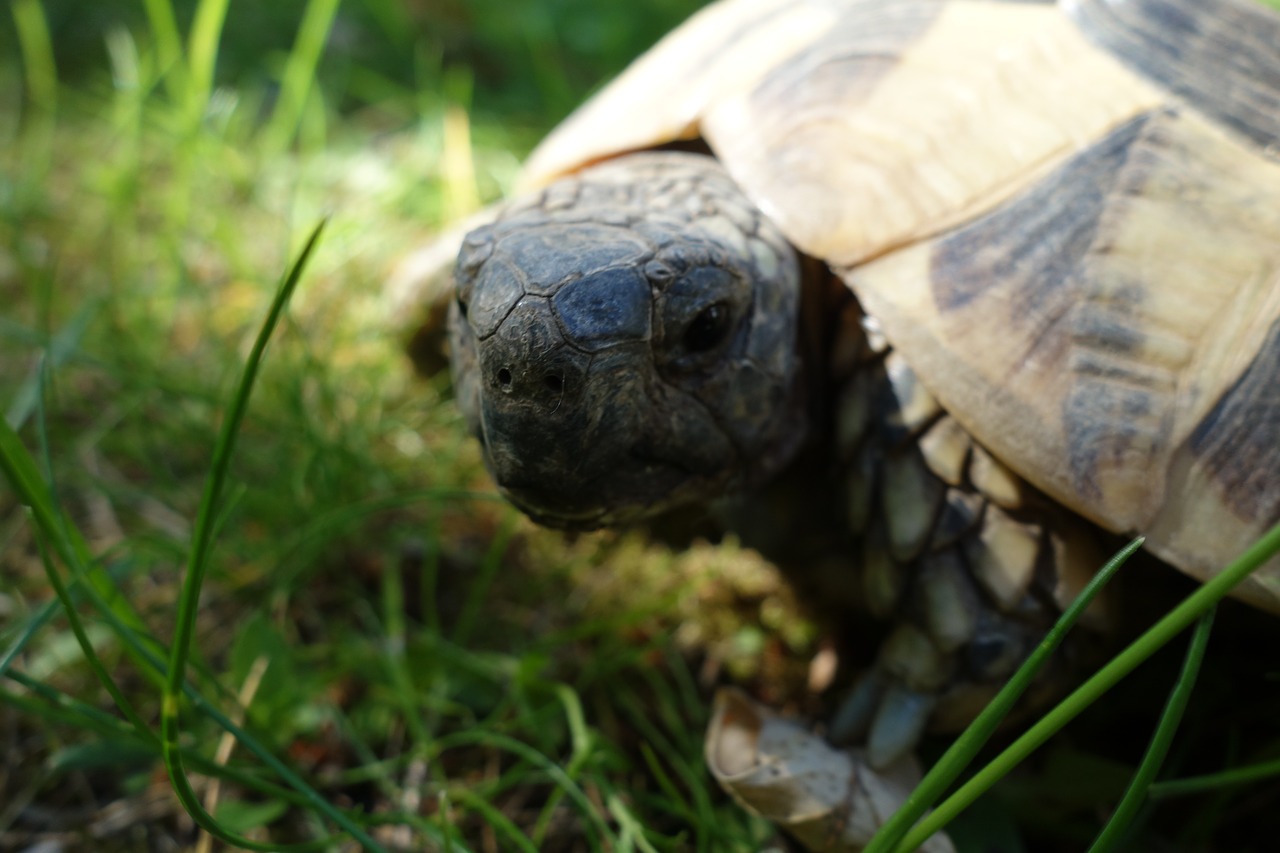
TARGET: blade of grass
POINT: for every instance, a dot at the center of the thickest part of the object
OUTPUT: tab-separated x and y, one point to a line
40	120
1178	619
1136	794
206	521
38	619
82	638
477	595
37	54
580	751
406	693
202	50
502	825
579	735
299	72
632	828
33	626
62	707
447	819
89	577
58	706
1214	781
958	756
24	476
59	349
460	191
164	32
665	783
602	839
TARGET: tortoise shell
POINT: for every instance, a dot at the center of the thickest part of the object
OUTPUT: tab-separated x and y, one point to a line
1066	219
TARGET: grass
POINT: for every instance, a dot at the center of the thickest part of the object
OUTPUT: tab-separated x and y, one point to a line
350	641
417	688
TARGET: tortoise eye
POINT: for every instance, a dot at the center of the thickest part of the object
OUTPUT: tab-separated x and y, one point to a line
708	329
462	307
700	316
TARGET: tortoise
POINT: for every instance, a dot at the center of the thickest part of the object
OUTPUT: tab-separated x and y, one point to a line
917	292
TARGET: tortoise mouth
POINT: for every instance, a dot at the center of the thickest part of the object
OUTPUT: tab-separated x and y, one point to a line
584	523
548	511
638	489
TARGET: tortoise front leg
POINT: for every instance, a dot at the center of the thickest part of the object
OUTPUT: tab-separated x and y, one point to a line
967	564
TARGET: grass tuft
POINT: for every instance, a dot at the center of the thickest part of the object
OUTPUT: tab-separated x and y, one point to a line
417	690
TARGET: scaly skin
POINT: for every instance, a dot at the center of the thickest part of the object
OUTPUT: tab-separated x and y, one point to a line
625	342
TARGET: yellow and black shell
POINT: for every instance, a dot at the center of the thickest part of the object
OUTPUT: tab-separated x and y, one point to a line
1064	218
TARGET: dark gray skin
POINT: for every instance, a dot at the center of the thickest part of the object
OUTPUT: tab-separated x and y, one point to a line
625	342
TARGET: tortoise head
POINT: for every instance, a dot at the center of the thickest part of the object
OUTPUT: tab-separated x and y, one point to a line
626	342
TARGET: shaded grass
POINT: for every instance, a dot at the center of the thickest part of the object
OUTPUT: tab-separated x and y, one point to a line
437	673
414	682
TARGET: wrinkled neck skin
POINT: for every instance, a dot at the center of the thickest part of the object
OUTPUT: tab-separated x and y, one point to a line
627	342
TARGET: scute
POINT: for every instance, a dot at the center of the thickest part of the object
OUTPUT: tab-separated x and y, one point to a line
831	114
1115	372
612	305
1221	56
905	125
663	95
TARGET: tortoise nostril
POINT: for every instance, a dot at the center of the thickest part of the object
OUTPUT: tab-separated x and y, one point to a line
504	379
553	383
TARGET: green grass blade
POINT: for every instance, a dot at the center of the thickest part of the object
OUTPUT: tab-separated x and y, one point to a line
82	638
1136	794
37	621
504	829
474	606
24	476
40	120
604	839
202	51
1214	781
299	72
60	348
41	616
406	692
1177	620
958	756
164	32
94	581
59	706
579	736
55	705
632	828
665	783
206	521
37	54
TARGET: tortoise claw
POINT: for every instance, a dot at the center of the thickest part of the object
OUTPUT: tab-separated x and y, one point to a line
884	714
899	722
852	720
